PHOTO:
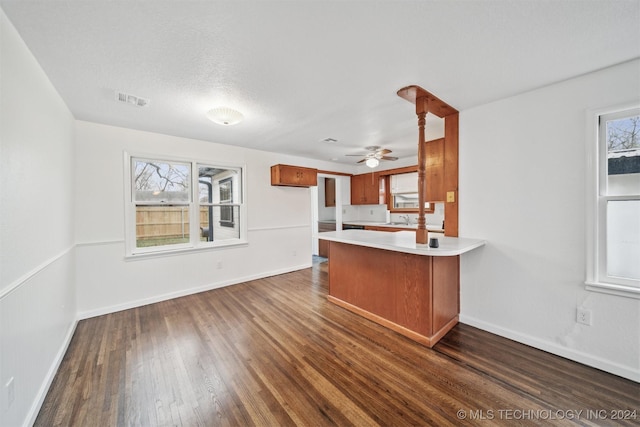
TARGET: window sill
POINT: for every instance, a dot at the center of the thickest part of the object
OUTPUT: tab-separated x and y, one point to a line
611	289
184	251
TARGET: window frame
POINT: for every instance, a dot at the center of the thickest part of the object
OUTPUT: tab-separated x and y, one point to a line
194	243
388	196
597	279
226	205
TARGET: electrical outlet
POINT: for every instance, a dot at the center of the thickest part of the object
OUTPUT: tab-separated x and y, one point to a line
294	253
10	391
583	316
219	265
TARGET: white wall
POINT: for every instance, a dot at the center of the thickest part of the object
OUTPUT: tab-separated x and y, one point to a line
279	223
37	256
522	188
522	173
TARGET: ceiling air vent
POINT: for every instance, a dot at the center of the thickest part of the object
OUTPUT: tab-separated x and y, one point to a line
330	140
131	99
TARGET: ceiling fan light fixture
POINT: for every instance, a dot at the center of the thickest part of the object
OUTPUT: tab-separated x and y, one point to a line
225	116
372	162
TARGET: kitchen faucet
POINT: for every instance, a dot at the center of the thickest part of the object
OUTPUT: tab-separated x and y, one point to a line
407	218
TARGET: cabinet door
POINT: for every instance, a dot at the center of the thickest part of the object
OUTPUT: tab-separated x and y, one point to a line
323	248
371	189
329	192
293	176
365	189
434	191
357	190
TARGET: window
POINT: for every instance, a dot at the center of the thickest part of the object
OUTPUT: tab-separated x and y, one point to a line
615	195
181	205
401	191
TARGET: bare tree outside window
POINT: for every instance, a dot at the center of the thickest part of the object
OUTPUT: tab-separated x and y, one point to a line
623	134
161	194
164	181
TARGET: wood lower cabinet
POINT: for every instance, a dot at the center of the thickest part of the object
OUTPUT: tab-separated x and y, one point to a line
293	176
380	228
323	245
365	189
414	295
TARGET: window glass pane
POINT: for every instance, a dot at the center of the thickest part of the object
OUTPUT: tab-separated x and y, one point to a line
225	220
226	190
161	225
623	155
623	239
218	185
404	190
158	181
405	200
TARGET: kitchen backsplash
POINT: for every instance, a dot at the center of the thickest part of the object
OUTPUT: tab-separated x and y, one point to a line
378	213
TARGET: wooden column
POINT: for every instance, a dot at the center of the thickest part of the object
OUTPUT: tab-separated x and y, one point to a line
425	103
421	112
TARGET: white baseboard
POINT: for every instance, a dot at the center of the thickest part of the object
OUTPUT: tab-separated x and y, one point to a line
568	353
48	379
164	297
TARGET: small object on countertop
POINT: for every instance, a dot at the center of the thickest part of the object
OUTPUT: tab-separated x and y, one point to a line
433	242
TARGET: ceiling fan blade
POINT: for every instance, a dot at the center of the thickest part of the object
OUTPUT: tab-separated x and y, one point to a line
363	160
388	158
383	152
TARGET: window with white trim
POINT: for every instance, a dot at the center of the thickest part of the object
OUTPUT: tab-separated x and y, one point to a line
176	204
615	263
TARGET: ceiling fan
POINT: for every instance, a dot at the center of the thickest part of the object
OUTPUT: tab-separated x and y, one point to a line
376	154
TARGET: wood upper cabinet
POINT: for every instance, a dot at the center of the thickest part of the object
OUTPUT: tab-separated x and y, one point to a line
365	189
329	192
293	176
434	182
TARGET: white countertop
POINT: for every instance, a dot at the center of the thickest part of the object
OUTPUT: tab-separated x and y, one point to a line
403	241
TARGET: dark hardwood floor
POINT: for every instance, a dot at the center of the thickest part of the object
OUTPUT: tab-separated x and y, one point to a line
274	352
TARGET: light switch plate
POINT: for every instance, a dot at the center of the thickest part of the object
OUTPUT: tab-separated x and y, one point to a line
451	196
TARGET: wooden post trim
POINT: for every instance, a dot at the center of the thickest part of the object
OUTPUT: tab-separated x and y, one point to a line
426	102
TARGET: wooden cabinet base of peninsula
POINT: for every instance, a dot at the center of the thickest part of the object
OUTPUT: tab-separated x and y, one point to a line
417	296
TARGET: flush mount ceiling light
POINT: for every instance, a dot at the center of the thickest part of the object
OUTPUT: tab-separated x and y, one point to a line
225	116
372	162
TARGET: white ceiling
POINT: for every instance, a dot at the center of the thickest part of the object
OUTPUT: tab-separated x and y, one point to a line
303	71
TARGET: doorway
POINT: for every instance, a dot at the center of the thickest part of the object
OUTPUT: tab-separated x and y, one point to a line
327	201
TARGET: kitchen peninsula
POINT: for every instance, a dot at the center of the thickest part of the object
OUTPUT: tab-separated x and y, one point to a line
389	279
